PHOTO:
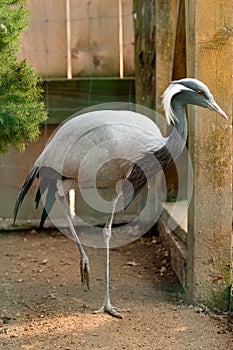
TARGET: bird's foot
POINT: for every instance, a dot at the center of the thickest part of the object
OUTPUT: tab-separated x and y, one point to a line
111	310
85	271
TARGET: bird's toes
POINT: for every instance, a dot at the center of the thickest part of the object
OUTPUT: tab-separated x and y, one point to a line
111	310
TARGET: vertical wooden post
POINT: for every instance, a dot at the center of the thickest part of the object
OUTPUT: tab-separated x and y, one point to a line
144	25
179	57
170	65
144	29
68	38
166	12
209	58
121	40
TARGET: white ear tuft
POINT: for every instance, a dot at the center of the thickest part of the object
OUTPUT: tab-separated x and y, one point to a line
173	89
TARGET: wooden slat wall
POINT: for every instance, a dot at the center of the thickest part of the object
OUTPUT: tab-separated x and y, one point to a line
94	37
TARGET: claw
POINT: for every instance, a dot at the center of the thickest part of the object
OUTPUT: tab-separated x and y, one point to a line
111	310
85	271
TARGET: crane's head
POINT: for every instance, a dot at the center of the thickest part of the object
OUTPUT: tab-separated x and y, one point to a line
189	91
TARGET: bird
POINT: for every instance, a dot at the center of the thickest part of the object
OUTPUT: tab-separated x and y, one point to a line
112	137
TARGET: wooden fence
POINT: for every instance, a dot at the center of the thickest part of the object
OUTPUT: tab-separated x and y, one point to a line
77	38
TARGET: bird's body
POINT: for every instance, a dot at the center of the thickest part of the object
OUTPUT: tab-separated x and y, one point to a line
129	146
89	134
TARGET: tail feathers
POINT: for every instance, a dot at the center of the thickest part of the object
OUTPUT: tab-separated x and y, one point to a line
50	199
24	189
44	184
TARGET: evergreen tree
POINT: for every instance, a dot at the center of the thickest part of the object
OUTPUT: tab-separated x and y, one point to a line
21	105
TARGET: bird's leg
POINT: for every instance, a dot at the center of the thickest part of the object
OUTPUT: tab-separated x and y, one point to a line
107	232
84	262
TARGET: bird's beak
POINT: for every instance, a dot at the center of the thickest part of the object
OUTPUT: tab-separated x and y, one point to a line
213	106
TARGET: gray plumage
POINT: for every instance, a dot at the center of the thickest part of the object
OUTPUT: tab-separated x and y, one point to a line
136	151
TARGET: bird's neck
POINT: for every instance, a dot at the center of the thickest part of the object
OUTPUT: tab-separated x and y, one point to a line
165	156
177	139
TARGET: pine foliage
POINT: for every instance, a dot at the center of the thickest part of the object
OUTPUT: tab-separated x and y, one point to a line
21	105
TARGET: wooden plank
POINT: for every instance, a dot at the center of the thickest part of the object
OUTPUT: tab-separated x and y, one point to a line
128	37
44	41
170	63
178	72
65	97
145	52
209	58
179	60
95	41
166	12
176	248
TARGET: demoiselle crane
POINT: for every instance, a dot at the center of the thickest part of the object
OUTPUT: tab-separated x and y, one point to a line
58	166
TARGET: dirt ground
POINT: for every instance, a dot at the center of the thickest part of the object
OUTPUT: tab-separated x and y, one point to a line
44	306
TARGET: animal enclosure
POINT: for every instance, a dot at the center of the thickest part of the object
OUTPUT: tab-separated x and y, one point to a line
85	53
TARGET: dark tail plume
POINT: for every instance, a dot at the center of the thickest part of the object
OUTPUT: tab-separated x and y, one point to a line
44	184
50	200
24	189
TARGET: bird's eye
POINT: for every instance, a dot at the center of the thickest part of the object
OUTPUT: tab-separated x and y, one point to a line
200	92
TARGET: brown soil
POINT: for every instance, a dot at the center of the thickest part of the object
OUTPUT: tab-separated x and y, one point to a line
44	306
